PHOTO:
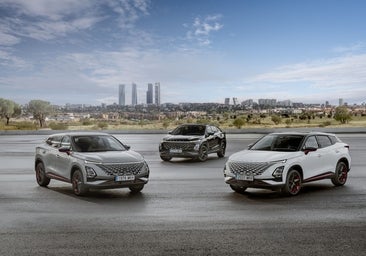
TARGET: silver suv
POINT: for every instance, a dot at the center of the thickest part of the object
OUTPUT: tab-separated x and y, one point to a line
90	160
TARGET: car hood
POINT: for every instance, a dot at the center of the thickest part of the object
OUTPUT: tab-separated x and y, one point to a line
110	156
182	137
262	156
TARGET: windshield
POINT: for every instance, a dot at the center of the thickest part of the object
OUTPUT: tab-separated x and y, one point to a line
190	130
96	143
279	142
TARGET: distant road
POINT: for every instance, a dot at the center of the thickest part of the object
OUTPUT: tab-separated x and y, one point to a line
185	209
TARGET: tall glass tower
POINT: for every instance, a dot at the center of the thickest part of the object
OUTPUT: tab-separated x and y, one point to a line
149	94
122	95
134	94
157	94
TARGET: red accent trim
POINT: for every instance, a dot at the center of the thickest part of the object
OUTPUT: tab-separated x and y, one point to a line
57	177
320	177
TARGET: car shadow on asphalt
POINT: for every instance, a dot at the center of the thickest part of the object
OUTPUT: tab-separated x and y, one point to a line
177	160
103	196
308	190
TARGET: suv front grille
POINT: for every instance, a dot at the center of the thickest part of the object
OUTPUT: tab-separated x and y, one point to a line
122	169
185	146
249	168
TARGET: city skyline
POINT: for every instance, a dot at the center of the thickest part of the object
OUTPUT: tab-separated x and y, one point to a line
201	51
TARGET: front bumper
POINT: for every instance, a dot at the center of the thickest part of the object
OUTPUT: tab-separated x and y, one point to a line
109	182
256	183
183	154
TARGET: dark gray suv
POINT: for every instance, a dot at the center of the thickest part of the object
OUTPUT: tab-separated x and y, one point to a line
193	141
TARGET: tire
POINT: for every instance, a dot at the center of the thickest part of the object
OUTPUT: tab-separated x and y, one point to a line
136	188
41	177
293	183
78	183
238	189
166	158
340	175
203	153
222	151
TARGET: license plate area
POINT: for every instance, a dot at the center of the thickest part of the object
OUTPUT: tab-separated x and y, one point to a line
245	177
124	178
175	150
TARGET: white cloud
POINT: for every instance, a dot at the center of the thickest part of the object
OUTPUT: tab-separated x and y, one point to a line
351	48
49	19
202	28
7	39
342	71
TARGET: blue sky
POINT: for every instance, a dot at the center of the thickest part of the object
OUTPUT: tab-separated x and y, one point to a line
70	51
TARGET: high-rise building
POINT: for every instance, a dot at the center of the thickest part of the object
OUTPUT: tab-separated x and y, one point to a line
227	101
149	94
134	94
122	95
341	102
157	94
235	101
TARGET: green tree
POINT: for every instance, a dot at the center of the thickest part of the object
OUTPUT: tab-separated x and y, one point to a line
40	109
276	119
239	122
9	109
342	114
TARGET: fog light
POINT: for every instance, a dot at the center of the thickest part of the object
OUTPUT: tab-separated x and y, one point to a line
278	172
90	173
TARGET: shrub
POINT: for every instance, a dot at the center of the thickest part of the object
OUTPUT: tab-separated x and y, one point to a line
102	125
276	119
58	126
239	122
86	122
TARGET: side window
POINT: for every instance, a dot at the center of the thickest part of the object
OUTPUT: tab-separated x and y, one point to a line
209	130
324	141
65	141
333	139
311	142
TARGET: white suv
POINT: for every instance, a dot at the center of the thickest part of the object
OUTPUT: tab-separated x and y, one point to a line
284	161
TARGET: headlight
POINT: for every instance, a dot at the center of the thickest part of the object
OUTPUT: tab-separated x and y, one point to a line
145	169
278	172
90	173
197	146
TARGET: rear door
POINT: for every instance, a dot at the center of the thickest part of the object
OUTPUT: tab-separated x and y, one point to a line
49	153
313	162
63	159
328	151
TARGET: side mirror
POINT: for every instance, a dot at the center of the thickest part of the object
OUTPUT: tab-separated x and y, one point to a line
169	132
250	145
127	147
309	149
66	150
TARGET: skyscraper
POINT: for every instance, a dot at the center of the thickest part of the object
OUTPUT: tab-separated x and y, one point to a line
122	95
149	94
134	94
157	94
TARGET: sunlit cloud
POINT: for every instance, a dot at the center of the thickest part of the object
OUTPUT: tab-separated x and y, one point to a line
202	28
